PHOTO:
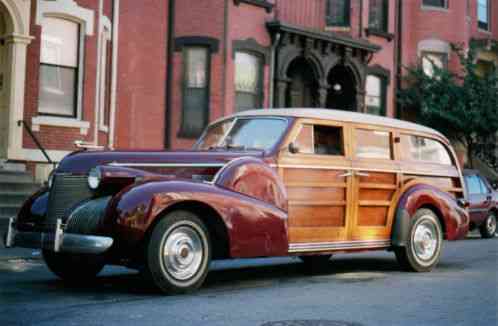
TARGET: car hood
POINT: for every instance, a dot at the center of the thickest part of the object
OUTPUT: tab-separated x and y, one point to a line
83	161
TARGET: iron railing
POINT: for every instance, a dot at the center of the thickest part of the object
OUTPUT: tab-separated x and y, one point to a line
36	141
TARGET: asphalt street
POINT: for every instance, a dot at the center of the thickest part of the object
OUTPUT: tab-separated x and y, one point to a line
360	289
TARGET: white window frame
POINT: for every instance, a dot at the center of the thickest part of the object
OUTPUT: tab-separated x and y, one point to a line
68	10
106	38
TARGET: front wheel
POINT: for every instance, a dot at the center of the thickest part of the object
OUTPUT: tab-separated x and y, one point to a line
73	268
488	228
423	250
179	253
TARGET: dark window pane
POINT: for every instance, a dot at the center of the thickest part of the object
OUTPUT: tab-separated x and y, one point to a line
338	12
246	101
194	111
378	16
57	90
195	91
328	140
435	3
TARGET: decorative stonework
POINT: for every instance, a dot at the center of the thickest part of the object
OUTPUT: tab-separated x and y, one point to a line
68	9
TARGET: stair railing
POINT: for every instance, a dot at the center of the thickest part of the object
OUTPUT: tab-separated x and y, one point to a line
36	141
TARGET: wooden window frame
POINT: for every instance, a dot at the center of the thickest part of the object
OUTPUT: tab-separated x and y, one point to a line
347	15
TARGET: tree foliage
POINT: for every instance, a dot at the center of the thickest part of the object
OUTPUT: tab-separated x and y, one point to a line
462	104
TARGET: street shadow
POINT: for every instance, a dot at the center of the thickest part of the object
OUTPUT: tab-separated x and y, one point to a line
232	277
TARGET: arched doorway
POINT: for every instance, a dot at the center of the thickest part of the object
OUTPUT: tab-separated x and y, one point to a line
342	93
302	91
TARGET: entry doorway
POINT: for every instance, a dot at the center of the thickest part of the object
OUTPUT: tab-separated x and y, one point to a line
342	93
303	87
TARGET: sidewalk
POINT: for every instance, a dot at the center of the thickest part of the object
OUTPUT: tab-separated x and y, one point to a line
17	253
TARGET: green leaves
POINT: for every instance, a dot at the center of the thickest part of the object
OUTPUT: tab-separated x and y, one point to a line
463	104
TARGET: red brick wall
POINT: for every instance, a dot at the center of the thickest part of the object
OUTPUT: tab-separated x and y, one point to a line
140	111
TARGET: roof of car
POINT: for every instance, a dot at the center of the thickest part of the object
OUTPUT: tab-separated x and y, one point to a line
340	115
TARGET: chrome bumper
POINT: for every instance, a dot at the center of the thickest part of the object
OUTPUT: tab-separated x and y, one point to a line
59	241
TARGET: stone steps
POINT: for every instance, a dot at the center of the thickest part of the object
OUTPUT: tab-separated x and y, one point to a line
16	186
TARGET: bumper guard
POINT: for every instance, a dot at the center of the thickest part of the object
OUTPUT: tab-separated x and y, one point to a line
59	241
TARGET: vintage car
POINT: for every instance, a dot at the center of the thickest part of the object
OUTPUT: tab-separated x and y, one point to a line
261	183
483	200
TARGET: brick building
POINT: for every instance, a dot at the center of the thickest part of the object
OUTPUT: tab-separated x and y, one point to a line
153	73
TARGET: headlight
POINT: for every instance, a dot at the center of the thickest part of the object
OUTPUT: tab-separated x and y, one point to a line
94	178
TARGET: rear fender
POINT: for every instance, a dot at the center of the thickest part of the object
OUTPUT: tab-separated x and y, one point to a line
454	219
254	227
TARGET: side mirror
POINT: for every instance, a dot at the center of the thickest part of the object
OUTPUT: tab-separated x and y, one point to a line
463	203
293	148
494	185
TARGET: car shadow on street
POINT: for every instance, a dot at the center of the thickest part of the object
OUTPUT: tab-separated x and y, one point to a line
231	278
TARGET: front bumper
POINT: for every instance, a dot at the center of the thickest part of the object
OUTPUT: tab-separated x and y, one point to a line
58	241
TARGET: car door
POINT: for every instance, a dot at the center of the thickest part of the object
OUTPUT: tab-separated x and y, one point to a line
316	172
477	198
375	180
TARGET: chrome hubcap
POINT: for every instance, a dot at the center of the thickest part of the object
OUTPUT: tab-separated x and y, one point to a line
425	240
183	253
491	224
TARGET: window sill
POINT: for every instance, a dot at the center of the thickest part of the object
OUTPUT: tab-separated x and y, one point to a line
431	8
337	28
378	33
104	128
38	121
484	31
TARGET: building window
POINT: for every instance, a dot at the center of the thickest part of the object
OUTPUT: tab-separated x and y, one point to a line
195	91
375	98
338	13
59	67
433	59
378	15
248	80
436	3
483	11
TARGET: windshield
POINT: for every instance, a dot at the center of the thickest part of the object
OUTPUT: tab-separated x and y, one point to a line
243	134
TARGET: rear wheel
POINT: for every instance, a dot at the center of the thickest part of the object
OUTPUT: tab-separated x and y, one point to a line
73	267
179	253
488	228
423	249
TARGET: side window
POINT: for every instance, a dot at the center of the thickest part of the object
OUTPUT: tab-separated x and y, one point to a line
473	184
484	188
418	148
373	144
321	140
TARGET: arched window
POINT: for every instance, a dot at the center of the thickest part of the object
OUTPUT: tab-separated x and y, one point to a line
59	67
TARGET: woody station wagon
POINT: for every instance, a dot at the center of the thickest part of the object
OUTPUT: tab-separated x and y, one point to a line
261	183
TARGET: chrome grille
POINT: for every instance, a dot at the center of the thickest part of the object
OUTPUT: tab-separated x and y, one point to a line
67	191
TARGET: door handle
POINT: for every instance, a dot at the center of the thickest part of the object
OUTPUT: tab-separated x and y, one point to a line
344	175
362	174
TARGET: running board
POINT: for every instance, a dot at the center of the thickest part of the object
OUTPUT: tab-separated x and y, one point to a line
342	245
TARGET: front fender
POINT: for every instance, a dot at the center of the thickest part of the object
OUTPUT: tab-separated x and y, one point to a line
455	219
254	227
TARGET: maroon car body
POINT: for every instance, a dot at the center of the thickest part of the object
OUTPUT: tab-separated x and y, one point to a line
483	203
115	205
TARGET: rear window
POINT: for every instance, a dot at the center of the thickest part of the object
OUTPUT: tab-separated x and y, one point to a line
373	144
417	148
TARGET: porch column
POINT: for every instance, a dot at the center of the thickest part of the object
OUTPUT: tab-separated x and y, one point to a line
323	91
17	48
280	100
